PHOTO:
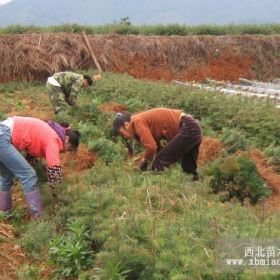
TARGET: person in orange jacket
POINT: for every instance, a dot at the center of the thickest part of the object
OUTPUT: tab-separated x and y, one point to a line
181	131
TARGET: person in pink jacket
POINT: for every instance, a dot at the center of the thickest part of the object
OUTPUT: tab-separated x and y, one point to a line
38	139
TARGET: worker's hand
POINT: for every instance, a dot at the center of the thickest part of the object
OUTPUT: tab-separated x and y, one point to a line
97	77
143	165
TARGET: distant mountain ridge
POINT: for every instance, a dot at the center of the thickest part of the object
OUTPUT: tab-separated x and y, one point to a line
93	12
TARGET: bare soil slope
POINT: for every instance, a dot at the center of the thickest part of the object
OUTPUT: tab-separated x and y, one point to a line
35	56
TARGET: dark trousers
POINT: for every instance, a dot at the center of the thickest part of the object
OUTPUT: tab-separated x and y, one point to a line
183	147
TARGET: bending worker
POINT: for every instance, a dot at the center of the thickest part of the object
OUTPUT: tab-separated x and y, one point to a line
180	130
64	87
38	139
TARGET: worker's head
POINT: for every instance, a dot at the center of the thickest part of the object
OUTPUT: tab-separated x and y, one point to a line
87	81
70	137
72	140
121	126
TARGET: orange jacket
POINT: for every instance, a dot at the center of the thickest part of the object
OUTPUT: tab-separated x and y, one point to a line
154	125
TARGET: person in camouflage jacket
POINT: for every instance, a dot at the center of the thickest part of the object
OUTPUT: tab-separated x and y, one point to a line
64	87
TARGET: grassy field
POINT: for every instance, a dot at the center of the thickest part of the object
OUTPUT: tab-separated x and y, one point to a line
112	222
171	29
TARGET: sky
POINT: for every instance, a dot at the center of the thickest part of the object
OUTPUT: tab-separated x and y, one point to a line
2	2
190	12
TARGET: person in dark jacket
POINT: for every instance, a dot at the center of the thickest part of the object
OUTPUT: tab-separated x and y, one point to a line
181	131
64	87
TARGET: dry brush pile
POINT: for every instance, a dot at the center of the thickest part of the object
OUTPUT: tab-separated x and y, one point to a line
11	255
35	56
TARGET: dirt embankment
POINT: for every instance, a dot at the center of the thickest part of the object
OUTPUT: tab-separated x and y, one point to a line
35	56
210	149
80	160
271	177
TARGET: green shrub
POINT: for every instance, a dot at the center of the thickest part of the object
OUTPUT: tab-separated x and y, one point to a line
108	150
29	272
74	28
71	252
36	238
257	121
255	29
110	271
234	140
274	153
88	112
89	131
236	176
124	27
209	30
19	29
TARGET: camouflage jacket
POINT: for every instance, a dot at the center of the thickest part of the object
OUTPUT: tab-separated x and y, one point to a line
70	84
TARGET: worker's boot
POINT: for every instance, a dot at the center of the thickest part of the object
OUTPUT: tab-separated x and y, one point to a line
5	201
34	202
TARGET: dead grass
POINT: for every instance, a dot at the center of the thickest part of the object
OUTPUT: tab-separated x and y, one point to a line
36	56
11	254
7	230
11	258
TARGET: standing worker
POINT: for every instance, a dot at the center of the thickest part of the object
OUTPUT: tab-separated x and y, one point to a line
180	130
38	139
64	87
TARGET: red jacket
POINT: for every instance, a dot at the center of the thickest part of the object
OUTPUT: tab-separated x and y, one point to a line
37	138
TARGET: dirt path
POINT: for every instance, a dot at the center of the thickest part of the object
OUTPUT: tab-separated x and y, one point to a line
209	150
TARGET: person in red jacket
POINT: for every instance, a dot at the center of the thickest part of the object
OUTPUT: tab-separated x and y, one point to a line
37	139
180	130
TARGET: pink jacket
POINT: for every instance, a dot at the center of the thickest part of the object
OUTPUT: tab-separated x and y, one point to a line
37	138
